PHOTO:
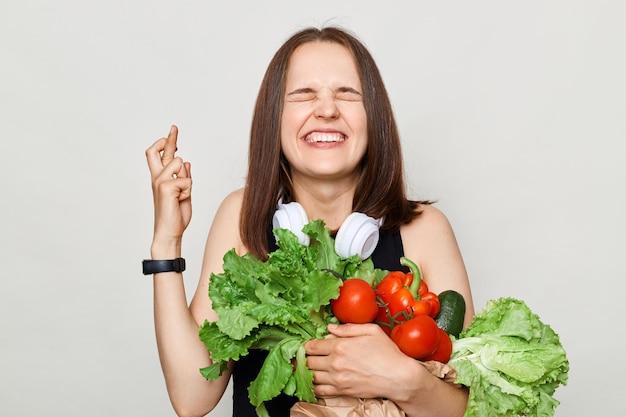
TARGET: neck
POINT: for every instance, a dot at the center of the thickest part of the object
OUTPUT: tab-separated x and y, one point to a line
331	202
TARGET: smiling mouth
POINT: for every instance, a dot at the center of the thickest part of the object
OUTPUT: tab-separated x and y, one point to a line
324	137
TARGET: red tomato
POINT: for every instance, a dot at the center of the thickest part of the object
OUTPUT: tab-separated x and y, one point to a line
356	302
444	349
417	337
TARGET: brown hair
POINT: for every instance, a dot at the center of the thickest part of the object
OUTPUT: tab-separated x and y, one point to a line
380	192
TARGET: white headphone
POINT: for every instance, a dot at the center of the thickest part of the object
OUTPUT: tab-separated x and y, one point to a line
357	235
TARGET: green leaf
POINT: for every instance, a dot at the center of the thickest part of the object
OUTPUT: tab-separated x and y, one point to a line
214	371
222	346
323	254
235	323
320	289
261	411
275	372
303	377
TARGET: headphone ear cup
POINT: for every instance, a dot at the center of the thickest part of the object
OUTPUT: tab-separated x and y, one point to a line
292	216
357	235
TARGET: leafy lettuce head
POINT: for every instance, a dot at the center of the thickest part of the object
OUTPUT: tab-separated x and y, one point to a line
511	361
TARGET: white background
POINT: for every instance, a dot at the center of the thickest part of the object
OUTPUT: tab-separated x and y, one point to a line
512	116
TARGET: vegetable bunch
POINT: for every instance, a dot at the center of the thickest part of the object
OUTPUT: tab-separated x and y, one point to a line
512	362
406	312
277	305
403	306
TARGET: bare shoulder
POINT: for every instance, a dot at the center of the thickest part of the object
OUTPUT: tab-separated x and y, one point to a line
225	228
432	212
428	234
431	220
232	201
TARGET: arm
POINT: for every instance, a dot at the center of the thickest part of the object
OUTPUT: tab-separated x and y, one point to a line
430	242
362	361
181	352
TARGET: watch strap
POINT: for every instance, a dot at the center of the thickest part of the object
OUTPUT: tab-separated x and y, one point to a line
168	265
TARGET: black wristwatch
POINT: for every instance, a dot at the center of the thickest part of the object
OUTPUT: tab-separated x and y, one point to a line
168	265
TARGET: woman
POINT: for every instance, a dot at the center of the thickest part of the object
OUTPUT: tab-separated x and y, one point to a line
323	134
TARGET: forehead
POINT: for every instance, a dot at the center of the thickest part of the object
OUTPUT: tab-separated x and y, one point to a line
322	62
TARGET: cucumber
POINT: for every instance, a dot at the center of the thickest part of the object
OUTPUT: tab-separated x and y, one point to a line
452	312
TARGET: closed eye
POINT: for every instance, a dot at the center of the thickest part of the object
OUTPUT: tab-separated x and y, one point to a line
301	94
348	94
308	94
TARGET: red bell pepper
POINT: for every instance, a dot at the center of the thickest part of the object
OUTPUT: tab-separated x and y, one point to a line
405	301
404	295
389	313
419	289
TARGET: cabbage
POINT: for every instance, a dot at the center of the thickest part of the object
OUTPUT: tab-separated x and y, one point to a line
511	362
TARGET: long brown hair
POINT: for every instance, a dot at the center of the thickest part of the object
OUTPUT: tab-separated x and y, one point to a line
380	192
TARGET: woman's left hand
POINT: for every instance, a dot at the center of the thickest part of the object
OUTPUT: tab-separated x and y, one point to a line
360	360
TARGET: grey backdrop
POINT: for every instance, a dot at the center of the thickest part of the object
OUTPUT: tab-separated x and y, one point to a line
512	116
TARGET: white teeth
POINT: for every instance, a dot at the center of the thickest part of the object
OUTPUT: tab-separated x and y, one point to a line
324	137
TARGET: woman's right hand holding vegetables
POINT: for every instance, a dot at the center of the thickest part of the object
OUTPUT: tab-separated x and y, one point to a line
360	360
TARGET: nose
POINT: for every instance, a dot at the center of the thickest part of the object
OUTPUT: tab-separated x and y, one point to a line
326	107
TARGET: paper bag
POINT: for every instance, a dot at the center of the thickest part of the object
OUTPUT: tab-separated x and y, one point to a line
347	407
364	407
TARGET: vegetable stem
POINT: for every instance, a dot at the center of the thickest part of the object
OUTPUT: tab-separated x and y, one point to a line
417	276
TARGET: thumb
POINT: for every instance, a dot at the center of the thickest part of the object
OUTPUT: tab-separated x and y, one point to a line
185	181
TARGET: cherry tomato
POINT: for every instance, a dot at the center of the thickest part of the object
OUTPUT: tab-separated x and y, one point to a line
444	349
356	302
417	337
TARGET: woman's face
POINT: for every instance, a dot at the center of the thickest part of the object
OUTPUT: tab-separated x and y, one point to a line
323	125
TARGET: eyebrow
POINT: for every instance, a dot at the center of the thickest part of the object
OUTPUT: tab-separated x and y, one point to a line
348	90
307	90
300	91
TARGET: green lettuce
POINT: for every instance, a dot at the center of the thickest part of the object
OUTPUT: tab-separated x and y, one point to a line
277	305
511	362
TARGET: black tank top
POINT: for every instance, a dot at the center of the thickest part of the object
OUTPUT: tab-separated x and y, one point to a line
386	256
